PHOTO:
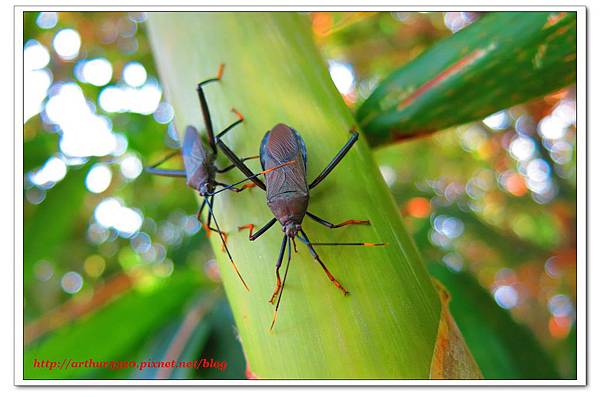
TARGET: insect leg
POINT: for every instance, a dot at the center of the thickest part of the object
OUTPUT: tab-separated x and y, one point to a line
345	223
239	164
161	172
199	213
152	169
226	130
232	166
214	141
338	157
335	226
233	157
211	214
208	228
210	205
230	127
204	107
263	229
314	254
287	267
277	266
167	157
268	170
355	244
206	225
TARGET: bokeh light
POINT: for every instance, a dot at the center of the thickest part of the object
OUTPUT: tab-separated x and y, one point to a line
47	20
98	178
66	43
96	71
121	99
497	121
111	213
522	148
164	113
389	175
51	172
131	166
94	265
84	133
44	270
71	282
37	80
134	74
35	55
560	306
343	76
506	296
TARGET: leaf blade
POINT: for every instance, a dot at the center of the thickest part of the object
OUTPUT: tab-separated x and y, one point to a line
482	69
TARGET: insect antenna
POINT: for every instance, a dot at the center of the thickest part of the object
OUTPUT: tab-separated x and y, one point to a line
211	214
287	266
228	187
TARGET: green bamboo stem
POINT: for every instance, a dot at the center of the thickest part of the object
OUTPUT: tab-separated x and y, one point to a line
387	327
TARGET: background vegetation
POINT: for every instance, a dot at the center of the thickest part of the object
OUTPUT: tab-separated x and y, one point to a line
115	256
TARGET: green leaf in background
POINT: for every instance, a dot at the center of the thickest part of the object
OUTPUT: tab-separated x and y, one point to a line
37	150
184	340
503	59
224	345
503	348
53	215
205	331
113	332
570	351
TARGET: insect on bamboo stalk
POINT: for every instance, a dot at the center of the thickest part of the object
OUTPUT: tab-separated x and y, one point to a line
200	169
388	327
288	196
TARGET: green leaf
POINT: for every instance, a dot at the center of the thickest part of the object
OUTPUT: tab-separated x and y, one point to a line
503	348
53	215
37	150
224	345
113	332
186	335
503	59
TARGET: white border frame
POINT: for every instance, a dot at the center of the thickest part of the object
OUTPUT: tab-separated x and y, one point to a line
582	89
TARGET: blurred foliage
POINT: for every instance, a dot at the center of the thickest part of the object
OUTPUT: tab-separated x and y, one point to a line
40	243
502	348
483	68
491	205
114	331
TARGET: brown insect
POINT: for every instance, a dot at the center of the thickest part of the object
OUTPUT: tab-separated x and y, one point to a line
200	169
288	196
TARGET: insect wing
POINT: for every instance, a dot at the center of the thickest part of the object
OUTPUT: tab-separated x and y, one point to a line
280	145
194	153
281	142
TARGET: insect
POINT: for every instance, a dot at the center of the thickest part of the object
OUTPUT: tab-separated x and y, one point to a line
200	169
288	197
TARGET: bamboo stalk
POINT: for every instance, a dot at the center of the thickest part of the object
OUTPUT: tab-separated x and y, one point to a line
387	327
